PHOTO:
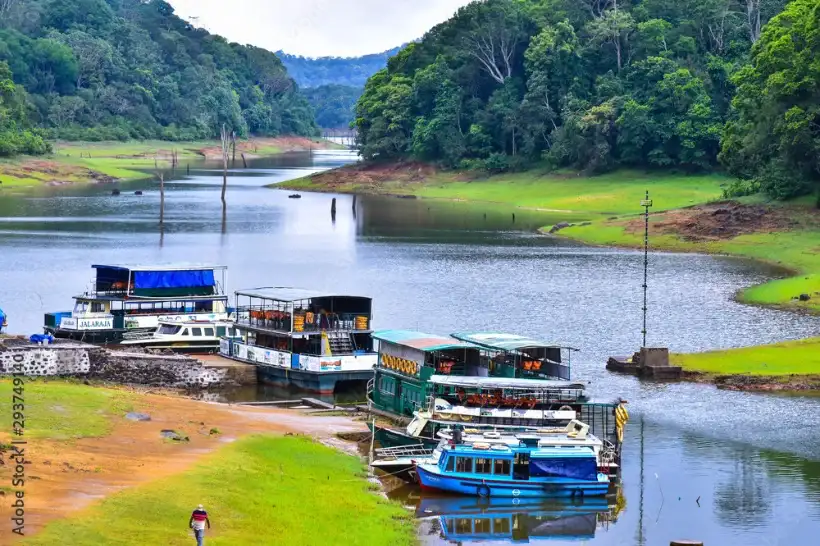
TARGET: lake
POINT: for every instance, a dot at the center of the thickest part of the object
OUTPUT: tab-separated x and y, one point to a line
722	467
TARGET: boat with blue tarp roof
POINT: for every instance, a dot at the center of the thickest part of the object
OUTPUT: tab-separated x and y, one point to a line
499	470
125	299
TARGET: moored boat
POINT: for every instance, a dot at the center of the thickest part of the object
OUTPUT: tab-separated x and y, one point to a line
183	337
128	298
483	379
315	341
497	470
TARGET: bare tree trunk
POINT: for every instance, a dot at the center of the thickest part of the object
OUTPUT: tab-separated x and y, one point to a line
233	143
753	17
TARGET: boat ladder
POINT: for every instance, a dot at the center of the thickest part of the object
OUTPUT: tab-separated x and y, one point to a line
399	452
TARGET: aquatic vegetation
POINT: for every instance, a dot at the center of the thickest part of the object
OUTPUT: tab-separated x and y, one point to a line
258	490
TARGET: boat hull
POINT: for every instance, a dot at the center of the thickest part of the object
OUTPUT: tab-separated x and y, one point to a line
391	437
430	479
318	382
97	337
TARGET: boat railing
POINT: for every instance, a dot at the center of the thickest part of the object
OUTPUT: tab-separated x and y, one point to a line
285	321
399	452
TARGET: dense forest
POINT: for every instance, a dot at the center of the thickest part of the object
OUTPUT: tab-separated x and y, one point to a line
334	84
121	69
348	71
598	84
334	104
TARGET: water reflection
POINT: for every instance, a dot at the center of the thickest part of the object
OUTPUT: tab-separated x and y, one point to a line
460	519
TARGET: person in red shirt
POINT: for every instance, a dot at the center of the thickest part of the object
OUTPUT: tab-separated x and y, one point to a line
199	519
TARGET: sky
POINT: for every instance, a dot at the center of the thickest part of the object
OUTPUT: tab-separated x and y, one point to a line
317	28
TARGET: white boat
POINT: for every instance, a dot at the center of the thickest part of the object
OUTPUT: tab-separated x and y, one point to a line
193	336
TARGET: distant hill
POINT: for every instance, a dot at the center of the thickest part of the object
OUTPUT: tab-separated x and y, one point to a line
349	71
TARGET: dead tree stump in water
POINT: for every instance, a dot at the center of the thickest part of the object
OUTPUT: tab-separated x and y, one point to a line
225	144
244	162
333	209
161	199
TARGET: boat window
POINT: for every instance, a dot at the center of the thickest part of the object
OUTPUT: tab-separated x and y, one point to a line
450	463
521	467
209	332
464	464
184	332
196	331
501	525
483	466
451	526
221	331
169	329
502	467
464	526
97	307
483	526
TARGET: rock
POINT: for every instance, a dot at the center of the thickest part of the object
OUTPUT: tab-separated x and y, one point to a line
115	192
138	192
135	416
174	435
804	297
294	196
559	226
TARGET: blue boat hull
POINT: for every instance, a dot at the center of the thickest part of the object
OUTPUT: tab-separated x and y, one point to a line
431	479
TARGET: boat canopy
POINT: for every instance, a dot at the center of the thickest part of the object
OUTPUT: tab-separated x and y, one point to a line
507	342
421	341
289	294
471	382
157	280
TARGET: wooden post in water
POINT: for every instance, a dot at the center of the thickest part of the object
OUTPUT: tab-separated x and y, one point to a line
224	135
161	199
333	209
233	143
354	205
244	162
188	169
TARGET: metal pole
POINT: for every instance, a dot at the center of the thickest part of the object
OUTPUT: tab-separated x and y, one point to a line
646	203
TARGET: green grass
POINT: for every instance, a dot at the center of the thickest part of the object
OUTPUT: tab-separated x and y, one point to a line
800	357
614	193
60	410
258	490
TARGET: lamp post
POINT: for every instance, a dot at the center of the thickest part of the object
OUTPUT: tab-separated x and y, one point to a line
646	203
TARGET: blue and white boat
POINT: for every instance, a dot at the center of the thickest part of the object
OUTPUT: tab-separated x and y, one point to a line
498	470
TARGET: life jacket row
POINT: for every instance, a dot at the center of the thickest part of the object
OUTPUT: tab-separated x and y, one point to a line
400	364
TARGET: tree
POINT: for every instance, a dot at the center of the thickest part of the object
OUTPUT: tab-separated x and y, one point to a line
613	27
774	134
494	37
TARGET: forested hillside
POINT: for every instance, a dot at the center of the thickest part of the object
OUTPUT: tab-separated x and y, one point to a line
349	71
599	84
334	84
120	69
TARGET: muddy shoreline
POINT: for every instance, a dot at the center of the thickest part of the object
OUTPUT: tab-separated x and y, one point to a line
757	383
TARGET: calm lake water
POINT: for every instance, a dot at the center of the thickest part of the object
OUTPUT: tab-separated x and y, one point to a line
722	467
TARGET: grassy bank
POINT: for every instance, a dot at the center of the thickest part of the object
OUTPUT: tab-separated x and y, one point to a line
75	163
62	410
605	210
259	490
588	197
787	366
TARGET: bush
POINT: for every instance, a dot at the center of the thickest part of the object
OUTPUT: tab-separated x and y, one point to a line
497	163
779	181
740	188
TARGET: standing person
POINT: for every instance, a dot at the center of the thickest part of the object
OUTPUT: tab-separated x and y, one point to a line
199	518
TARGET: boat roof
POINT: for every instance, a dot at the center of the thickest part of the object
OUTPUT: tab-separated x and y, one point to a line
477	382
290	294
506	342
166	267
421	341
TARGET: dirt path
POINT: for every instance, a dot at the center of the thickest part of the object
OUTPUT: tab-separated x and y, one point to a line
66	476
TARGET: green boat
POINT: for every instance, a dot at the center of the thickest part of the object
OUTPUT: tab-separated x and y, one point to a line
480	380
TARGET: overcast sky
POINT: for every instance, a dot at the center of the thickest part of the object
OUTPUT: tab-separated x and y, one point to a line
315	28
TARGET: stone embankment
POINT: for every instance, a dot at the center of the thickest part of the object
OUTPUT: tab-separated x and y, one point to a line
71	359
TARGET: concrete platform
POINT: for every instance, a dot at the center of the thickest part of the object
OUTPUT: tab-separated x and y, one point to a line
239	372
